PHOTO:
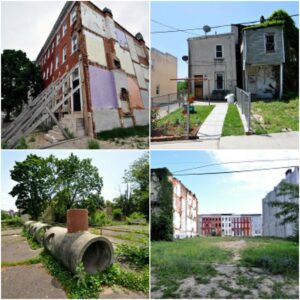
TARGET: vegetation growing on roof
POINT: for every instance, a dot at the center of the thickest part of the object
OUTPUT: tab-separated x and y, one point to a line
265	24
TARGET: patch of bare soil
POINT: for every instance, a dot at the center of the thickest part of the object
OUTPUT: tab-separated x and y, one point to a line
234	246
156	292
239	283
120	293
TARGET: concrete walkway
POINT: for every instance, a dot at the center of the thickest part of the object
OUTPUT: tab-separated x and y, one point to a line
284	140
211	129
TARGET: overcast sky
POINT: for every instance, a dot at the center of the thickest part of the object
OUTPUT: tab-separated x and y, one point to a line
25	25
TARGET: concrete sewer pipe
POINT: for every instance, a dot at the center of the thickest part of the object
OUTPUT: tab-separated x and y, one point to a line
37	230
95	252
27	224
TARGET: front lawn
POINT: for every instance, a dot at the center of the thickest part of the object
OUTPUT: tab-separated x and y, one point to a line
175	122
233	124
270	116
135	131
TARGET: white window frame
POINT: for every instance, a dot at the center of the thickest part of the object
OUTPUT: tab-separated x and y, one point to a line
219	51
52	50
57	38
64	54
73	16
51	68
265	42
56	62
65	28
47	73
48	53
74	43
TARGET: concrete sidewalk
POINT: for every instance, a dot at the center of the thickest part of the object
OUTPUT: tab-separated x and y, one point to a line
284	140
212	127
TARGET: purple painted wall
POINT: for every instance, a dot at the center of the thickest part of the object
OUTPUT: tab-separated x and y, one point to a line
103	92
121	37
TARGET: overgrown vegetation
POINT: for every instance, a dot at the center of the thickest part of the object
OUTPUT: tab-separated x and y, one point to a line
175	122
31	241
92	144
271	116
10	221
275	255
114	275
136	255
162	217
232	124
140	131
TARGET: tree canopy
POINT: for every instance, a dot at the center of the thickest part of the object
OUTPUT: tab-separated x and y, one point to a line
60	183
19	76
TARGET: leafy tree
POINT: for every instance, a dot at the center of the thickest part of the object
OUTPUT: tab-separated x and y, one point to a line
125	202
291	45
137	176
182	85
33	178
289	210
19	76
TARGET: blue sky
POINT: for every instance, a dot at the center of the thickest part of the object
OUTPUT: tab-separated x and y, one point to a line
230	193
194	14
111	166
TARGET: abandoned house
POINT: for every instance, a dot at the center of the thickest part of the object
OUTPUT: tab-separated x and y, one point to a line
163	69
184	203
95	77
272	225
263	57
212	62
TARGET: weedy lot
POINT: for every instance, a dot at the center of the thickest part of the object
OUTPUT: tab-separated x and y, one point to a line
216	267
26	263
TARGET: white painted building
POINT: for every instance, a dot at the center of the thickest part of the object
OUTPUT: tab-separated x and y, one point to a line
226	225
271	224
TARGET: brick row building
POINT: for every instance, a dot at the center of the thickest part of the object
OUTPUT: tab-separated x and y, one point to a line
230	225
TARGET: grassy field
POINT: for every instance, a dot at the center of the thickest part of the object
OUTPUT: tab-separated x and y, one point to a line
174	122
233	124
272	116
216	267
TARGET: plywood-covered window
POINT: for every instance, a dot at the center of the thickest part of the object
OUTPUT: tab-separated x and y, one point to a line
64	54
270	42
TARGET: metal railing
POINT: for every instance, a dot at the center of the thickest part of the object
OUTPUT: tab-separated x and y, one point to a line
169	101
244	102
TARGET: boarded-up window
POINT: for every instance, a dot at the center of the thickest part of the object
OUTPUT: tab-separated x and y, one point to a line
270	43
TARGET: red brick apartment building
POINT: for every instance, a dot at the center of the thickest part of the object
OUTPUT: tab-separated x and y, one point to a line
95	77
241	226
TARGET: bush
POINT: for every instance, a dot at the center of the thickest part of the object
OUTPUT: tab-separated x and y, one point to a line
13	221
99	218
92	144
136	218
117	214
137	255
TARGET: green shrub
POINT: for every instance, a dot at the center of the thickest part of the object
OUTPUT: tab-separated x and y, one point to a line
99	218
137	255
117	214
15	221
22	144
136	218
92	144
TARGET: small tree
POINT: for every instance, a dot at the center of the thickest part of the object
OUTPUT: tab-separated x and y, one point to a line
19	76
289	210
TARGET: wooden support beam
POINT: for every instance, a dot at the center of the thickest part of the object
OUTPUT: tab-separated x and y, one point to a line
57	123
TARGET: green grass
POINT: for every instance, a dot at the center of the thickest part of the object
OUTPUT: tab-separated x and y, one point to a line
277	115
92	144
30	261
174	122
174	261
275	255
233	124
139	131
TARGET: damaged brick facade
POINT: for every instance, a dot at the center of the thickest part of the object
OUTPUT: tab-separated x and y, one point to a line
110	64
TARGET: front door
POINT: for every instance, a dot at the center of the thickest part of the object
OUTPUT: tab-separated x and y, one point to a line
199	86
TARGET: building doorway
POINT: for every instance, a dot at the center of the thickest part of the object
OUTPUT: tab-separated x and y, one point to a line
199	86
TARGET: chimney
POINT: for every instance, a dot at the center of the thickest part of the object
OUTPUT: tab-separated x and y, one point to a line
77	220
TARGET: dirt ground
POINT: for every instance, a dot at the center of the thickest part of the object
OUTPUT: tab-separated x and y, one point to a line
37	140
233	281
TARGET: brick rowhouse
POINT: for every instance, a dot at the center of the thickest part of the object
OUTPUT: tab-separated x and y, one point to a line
106	70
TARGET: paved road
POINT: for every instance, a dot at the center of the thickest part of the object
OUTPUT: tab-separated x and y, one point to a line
285	140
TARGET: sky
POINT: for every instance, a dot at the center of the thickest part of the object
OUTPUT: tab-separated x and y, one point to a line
25	25
227	193
111	166
196	14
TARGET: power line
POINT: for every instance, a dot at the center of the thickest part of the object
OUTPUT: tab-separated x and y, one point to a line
217	26
171	27
237	171
236	162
